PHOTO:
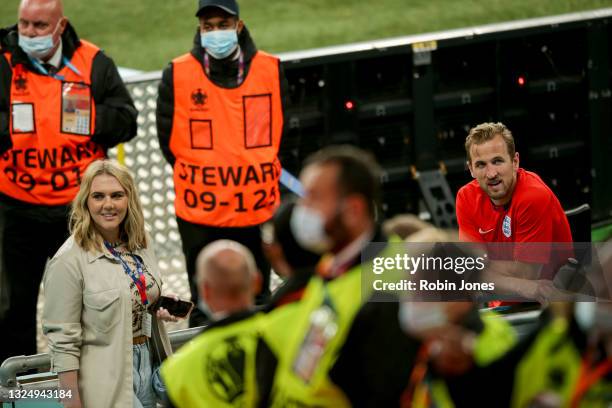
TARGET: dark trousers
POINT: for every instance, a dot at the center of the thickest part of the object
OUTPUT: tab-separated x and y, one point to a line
195	237
26	244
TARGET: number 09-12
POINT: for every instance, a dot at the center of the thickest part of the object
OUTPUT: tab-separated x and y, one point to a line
209	202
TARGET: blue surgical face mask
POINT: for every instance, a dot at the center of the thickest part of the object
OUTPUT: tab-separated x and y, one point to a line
38	47
219	43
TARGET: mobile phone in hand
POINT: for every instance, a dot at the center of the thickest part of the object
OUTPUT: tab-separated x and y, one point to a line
178	308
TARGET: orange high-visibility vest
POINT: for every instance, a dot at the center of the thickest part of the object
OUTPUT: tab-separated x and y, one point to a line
50	132
226	144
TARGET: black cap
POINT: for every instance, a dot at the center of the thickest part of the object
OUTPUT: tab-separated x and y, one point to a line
230	6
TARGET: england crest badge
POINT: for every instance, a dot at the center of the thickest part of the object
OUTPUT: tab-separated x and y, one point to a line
506	226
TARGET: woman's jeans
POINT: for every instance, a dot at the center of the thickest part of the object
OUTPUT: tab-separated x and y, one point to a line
142	371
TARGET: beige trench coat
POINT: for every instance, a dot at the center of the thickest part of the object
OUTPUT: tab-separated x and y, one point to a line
87	319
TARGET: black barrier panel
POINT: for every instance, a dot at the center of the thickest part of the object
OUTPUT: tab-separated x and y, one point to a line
412	102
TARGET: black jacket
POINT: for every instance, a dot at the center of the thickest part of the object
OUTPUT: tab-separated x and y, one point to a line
223	73
115	111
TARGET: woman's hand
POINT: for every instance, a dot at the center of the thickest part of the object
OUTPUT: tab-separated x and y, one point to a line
69	381
165	315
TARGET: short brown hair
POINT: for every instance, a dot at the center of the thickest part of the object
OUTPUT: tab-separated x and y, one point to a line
359	173
487	131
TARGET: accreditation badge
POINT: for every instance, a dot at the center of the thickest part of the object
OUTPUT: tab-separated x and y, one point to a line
76	108
323	327
147	323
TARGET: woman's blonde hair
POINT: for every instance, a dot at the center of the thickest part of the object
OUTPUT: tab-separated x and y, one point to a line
132	230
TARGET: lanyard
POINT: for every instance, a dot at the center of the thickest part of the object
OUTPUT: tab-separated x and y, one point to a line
292	183
137	276
239	77
587	378
417	378
44	71
327	300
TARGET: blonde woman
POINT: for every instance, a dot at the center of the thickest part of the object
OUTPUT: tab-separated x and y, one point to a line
100	290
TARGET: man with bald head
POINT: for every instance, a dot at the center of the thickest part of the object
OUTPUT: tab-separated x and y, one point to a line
62	105
217	367
227	278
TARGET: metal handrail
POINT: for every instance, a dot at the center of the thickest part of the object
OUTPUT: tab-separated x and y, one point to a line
19	364
578	210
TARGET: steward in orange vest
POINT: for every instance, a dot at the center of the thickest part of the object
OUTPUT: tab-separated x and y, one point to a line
219	124
62	105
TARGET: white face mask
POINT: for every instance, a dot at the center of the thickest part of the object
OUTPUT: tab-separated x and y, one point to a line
415	317
203	306
308	228
590	315
584	313
38	47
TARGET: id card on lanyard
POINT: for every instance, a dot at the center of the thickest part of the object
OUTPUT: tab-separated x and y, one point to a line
76	100
322	329
76	108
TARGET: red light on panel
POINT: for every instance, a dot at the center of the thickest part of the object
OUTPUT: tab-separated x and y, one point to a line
521	81
349	105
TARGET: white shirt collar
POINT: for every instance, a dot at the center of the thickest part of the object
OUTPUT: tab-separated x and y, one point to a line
56	59
236	53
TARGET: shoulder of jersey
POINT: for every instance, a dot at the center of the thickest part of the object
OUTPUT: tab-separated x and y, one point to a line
472	188
533	188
